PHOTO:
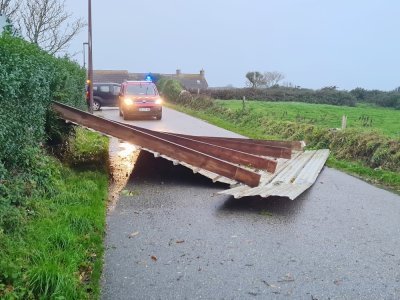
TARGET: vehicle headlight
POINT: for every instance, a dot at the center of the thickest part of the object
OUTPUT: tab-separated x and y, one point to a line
159	101
128	101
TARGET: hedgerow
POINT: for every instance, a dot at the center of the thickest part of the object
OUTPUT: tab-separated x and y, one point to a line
279	93
321	96
29	80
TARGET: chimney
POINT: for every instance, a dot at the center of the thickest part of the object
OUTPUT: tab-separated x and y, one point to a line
178	72
202	72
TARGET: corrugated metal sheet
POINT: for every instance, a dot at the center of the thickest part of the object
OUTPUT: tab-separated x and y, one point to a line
213	176
292	177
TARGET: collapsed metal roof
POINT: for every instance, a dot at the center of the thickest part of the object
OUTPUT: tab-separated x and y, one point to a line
292	177
252	167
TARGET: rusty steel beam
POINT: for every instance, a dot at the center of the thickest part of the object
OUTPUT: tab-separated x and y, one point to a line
224	153
294	145
256	147
162	146
246	146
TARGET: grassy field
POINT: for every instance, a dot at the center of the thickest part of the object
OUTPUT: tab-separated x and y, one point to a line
57	252
363	116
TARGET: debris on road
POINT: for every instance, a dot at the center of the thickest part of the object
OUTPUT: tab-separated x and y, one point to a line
251	167
133	234
287	278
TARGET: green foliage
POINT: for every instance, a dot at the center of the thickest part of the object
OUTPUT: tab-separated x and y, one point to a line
57	251
86	149
30	80
327	95
255	79
51	217
170	89
286	94
380	98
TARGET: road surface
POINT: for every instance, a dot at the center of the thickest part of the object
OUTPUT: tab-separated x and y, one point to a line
170	237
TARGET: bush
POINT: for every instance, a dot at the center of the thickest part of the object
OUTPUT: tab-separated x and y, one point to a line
170	89
380	98
30	79
277	93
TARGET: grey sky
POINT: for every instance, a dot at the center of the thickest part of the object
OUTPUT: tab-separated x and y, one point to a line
315	43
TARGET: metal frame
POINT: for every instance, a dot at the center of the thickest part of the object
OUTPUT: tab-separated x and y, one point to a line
219	150
161	144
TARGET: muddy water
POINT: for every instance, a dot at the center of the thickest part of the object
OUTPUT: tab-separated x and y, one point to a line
122	158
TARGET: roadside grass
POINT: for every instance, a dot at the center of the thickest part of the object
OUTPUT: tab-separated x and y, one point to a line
251	129
363	116
57	254
385	179
87	149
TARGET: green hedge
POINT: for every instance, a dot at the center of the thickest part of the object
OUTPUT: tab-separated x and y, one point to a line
278	93
29	80
170	89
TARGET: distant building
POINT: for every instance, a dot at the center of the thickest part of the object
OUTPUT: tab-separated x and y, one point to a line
115	76
188	81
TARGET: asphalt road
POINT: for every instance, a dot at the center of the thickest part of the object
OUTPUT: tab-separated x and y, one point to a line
172	238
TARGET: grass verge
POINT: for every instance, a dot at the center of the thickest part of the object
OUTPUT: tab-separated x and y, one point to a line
57	251
387	179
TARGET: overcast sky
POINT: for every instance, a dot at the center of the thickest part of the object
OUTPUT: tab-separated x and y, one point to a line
314	43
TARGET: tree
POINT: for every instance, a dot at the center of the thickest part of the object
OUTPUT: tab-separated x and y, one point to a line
9	8
47	24
272	78
255	79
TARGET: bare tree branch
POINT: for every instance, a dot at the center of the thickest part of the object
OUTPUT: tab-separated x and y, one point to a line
46	23
272	78
9	8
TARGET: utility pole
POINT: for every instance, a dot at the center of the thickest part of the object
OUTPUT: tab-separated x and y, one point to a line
84	55
90	57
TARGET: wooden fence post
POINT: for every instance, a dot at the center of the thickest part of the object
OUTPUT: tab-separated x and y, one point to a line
344	122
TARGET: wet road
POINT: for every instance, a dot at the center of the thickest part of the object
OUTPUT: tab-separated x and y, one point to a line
172	121
171	238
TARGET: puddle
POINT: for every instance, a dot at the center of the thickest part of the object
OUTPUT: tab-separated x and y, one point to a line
122	157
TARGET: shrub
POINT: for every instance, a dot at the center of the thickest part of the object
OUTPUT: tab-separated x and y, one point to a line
170	89
30	79
381	98
278	93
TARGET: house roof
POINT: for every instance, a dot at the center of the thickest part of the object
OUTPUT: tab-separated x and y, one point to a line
189	81
117	76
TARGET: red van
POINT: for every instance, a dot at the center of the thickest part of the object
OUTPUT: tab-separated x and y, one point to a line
139	98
